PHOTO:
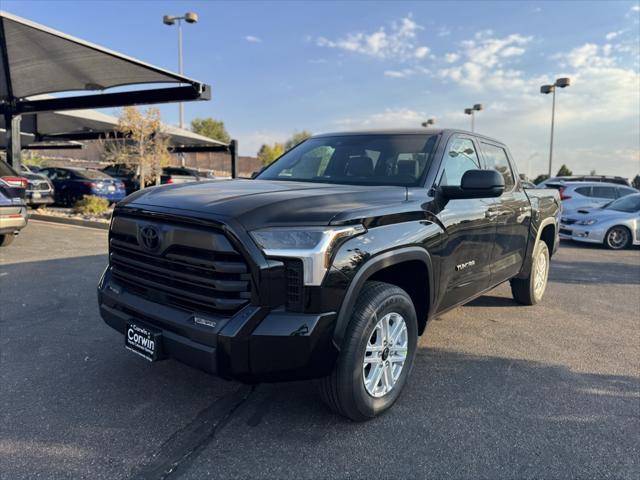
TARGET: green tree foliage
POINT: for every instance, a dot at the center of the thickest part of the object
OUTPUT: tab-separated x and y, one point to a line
210	127
295	139
636	182
564	171
268	153
540	178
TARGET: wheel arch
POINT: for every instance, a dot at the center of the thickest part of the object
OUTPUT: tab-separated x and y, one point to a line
386	267
619	225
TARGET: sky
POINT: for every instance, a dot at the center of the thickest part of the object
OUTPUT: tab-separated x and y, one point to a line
280	67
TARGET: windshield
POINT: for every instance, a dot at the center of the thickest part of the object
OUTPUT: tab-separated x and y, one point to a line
629	204
399	159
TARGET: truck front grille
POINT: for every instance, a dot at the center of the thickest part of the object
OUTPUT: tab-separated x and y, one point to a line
194	268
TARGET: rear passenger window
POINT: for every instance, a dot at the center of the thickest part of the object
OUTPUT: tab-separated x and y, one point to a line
603	192
497	159
585	191
460	157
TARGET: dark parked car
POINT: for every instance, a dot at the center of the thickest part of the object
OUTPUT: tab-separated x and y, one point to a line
39	190
71	184
330	263
126	174
586	178
13	212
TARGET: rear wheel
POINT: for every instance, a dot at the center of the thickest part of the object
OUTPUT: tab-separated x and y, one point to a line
6	239
377	354
617	238
530	290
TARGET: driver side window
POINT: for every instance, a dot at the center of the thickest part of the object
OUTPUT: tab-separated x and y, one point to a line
460	157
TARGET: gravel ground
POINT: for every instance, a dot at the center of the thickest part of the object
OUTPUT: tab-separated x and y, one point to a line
498	390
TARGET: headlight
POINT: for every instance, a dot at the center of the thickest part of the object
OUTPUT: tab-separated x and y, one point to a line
312	245
588	221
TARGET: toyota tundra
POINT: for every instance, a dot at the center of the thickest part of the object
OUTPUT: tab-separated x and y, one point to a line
329	263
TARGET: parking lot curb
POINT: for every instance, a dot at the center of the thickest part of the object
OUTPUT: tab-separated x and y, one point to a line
69	221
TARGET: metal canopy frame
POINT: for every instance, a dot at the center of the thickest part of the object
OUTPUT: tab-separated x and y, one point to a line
12	106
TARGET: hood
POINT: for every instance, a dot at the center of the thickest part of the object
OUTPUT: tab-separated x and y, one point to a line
264	203
598	213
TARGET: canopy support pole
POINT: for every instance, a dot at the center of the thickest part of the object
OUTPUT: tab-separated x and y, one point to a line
14	150
233	150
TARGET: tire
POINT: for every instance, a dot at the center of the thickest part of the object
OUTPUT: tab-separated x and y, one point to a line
525	290
617	238
344	390
6	239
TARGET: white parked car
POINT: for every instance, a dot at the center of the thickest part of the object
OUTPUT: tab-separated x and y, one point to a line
576	195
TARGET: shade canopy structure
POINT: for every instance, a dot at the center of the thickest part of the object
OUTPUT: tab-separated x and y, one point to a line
36	60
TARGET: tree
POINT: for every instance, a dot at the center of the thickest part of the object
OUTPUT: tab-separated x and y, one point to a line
564	171
268	153
145	145
210	127
296	138
540	178
636	182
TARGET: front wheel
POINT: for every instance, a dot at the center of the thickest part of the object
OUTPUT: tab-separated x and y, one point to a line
530	290
376	356
617	238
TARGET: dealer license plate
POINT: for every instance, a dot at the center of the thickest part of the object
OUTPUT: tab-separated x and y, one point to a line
143	341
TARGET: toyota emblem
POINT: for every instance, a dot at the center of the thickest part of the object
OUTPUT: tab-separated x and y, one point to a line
150	237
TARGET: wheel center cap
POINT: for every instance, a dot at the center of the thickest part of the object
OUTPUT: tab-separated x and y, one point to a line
385	354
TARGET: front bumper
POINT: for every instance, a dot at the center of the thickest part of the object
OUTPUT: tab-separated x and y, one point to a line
581	233
256	344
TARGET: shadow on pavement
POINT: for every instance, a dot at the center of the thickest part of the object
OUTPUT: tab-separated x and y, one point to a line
581	272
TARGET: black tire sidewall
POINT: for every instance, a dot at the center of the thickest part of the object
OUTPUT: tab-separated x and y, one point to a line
398	302
606	238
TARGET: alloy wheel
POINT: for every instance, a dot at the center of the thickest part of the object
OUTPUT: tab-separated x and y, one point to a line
385	355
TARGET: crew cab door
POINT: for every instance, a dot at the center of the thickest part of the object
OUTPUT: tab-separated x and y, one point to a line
465	267
511	213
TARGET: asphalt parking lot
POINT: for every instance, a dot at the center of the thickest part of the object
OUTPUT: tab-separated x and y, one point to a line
498	390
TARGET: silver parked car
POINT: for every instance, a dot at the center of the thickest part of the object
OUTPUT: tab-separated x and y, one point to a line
576	195
616	225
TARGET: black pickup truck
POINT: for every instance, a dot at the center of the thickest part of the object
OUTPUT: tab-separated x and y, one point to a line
330	263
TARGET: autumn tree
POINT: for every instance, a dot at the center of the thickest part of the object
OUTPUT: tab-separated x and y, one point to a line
268	153
212	128
144	145
295	139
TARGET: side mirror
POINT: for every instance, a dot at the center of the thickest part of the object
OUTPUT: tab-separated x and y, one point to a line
476	184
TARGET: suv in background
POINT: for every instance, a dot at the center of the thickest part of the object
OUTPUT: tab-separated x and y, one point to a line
587	178
13	212
39	190
576	195
328	264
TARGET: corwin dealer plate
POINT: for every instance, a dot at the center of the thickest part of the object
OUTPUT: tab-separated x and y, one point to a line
143	341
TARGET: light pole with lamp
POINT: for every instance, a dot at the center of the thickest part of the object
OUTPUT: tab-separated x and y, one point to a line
471	111
547	89
188	17
429	122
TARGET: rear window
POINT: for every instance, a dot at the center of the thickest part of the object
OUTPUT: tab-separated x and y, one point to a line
497	158
603	192
91	174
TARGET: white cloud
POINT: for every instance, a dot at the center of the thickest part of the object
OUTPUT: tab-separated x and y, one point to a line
253	39
635	8
405	72
482	54
444	32
389	118
611	35
398	43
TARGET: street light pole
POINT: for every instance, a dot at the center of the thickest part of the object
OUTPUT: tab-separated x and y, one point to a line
429	122
471	111
188	17
546	89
